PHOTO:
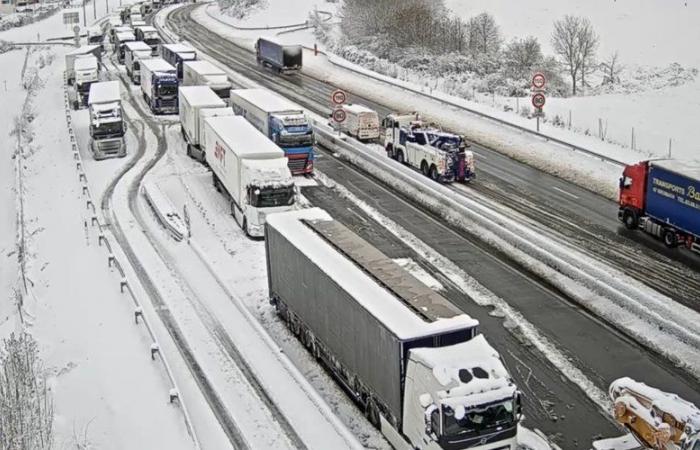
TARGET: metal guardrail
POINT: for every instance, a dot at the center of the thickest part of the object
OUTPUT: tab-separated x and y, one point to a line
124	284
298	26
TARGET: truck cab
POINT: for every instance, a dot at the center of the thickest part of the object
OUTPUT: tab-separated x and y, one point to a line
149	35
86	73
95	36
460	397
273	192
632	186
293	133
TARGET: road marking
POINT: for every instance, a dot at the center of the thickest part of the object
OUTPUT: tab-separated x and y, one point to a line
565	192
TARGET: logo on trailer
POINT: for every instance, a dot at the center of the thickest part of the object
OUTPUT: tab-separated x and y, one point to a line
220	153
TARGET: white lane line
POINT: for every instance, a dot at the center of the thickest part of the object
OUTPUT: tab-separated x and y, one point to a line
565	192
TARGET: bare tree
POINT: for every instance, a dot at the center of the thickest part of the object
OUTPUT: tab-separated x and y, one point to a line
521	57
587	47
483	34
26	407
565	43
611	69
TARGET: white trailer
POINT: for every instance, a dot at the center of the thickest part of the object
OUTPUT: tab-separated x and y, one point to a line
159	86
120	42
79	52
107	126
86	72
133	53
249	170
360	122
116	30
191	101
204	73
150	36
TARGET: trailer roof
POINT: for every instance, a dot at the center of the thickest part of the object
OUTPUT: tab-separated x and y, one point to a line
249	143
126	36
147	28
179	48
266	100
201	96
277	42
690	169
157	65
357	109
103	92
204	67
137	45
392	295
83	50
122	28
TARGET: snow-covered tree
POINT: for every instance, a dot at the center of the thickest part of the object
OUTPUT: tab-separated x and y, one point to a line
576	43
521	56
611	69
483	35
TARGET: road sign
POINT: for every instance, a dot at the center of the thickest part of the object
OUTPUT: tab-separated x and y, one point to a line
339	116
538	80
538	100
69	18
338	97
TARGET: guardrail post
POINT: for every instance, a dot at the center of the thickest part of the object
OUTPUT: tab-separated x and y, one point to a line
138	312
110	259
154	349
123	284
174	395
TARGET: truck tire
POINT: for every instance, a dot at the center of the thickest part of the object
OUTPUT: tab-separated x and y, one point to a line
424	168
670	238
372	413
390	151
630	219
434	175
400	158
244	225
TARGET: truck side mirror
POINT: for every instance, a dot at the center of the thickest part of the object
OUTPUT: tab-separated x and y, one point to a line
428	418
622	182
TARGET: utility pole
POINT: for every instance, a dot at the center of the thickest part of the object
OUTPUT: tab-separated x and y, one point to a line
84	18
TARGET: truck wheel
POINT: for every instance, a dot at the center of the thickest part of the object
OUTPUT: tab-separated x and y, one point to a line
434	173
390	151
670	238
630	219
400	158
244	225
424	168
372	413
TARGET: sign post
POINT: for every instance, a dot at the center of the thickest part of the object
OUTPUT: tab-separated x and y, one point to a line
538	99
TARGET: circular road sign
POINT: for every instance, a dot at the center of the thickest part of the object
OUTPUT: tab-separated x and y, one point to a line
338	97
538	80
538	100
339	116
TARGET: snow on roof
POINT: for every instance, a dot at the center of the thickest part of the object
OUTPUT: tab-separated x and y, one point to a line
278	42
147	29
137	45
126	36
244	138
106	91
83	50
357	109
682	410
204	68
472	372
267	100
201	96
95	30
85	63
268	172
374	298
122	29
690	169
157	65
179	48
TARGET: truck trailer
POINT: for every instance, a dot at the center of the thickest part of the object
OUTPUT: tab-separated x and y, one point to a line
121	39
283	58
95	36
86	72
176	54
408	357
159	86
204	73
149	35
107	126
116	30
439	155
281	121
662	198
249	170
196	104
133	53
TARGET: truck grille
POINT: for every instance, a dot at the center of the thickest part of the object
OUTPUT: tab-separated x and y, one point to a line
296	164
108	149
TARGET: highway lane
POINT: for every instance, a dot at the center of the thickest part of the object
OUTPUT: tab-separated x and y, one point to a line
675	273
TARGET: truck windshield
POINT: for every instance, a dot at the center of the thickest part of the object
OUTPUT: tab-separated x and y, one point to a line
296	136
108	129
271	197
477	420
167	90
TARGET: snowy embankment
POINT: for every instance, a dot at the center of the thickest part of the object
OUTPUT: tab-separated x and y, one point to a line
582	169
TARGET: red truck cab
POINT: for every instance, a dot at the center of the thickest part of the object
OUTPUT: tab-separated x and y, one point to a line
632	189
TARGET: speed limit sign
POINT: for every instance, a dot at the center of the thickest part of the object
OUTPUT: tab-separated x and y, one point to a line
338	97
339	116
538	81
538	100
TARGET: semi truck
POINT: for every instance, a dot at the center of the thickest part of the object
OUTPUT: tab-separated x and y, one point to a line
249	170
176	54
149	35
86	72
95	36
159	85
86	50
196	104
121	39
414	363
360	122
281	121
662	198
283	58
439	155
107	126
116	30
134	52
204	73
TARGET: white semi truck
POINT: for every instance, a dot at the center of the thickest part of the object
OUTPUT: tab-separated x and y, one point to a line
107	126
134	52
120	41
86	50
204	73
86	72
196	104
408	357
249	170
150	36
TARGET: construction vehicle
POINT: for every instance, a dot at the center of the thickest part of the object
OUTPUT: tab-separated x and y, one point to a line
662	198
656	419
439	155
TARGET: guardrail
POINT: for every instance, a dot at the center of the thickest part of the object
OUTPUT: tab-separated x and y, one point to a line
299	26
113	262
165	211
